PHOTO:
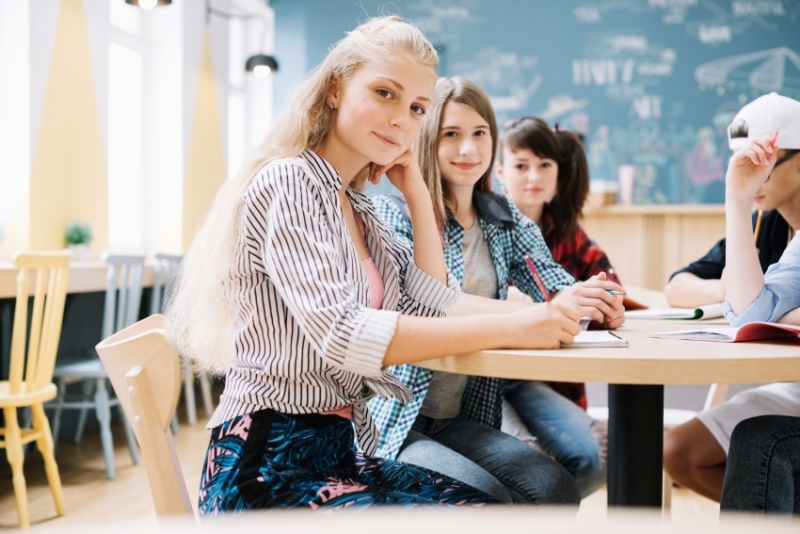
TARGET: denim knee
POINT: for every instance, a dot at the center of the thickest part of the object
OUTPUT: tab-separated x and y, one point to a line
589	474
549	484
562	489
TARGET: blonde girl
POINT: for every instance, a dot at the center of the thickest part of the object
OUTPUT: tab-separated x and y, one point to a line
295	290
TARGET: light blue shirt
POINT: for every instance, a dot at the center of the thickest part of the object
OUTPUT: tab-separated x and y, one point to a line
781	292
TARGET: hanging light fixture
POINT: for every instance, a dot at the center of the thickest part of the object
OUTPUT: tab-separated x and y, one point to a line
261	65
147	5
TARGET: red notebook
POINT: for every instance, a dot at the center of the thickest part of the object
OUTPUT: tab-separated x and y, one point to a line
755	331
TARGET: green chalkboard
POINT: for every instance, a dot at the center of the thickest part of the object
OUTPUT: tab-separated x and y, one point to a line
651	84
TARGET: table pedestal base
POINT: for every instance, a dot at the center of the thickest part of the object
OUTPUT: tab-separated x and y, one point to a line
635	445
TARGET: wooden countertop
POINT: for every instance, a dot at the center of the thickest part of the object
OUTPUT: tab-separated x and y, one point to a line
84	277
656	209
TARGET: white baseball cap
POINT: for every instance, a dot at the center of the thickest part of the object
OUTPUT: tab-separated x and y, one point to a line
763	117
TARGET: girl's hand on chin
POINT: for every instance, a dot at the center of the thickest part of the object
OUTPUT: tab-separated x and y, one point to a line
403	172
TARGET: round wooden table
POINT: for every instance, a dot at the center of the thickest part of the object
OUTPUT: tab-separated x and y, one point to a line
636	376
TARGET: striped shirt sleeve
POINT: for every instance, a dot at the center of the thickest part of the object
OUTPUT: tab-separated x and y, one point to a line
289	238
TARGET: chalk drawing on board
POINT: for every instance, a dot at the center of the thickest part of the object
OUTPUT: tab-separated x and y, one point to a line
560	105
674	10
758	8
760	71
445	20
629	66
509	79
592	12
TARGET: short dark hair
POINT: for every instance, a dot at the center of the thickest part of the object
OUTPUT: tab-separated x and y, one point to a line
739	129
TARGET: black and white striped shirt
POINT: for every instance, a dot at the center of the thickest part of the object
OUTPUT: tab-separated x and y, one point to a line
305	338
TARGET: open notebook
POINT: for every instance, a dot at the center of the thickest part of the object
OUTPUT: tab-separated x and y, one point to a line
754	331
597	338
712	311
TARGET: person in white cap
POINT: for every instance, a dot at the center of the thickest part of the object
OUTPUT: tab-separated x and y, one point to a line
764	170
777	214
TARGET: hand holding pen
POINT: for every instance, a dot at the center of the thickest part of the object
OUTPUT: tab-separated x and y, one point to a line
597	298
749	168
591	298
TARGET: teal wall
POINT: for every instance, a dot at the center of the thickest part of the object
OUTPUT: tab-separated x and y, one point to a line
650	83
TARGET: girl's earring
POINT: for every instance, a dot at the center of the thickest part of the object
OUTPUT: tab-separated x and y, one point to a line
330	107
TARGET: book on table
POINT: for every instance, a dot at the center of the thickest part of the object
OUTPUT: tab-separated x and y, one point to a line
711	311
597	338
755	331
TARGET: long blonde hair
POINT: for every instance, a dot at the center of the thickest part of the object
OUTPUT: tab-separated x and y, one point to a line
201	318
463	91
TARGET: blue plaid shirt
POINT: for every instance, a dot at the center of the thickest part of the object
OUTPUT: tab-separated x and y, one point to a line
511	237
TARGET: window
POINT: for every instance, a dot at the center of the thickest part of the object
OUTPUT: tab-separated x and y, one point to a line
236	96
125	154
15	146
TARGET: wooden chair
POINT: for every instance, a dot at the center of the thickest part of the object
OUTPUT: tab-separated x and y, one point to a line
165	270
122	302
30	381
145	372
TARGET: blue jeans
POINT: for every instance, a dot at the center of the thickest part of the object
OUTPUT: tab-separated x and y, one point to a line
488	460
562	428
763	469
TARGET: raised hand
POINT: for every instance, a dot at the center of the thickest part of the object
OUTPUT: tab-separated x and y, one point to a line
749	169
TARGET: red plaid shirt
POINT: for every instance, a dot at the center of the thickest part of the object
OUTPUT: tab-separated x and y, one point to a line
583	258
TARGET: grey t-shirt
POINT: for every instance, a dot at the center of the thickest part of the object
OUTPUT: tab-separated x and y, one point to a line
443	400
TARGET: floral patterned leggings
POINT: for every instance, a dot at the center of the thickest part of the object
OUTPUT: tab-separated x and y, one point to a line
268	459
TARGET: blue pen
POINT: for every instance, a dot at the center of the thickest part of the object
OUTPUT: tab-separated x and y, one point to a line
612	291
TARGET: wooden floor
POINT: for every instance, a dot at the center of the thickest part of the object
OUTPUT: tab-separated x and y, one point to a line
91	499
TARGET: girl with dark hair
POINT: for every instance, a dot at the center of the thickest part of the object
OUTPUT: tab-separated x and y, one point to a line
546	176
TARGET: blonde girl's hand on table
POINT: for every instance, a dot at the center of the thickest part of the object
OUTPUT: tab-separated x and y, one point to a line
593	298
543	326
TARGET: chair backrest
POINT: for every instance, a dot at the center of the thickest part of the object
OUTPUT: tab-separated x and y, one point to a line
49	293
144	368
123	291
165	271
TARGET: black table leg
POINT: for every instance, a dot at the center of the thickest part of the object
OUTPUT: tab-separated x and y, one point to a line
635	445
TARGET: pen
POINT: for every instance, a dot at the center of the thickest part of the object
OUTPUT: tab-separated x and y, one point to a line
611	291
774	138
537	279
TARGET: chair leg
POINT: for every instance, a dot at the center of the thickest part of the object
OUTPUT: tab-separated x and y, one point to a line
131	437
59	408
87	394
27	420
15	459
101	406
205	388
45	446
666	495
173	425
188	390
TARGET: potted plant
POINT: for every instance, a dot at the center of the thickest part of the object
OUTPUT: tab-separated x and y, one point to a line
77	238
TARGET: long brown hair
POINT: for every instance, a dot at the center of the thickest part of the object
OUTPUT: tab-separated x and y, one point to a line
463	91
566	149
